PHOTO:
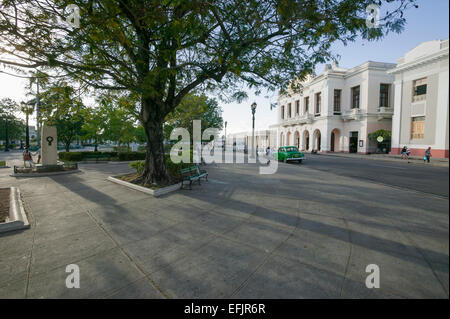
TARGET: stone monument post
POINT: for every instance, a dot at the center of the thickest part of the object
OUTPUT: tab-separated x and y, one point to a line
49	143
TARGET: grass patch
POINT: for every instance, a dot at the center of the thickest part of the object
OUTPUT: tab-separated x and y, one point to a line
2	163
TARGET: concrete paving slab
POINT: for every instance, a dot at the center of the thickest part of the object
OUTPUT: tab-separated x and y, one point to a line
400	274
99	275
215	270
141	289
284	278
55	253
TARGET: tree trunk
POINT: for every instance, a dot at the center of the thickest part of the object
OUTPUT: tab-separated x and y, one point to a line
155	171
68	146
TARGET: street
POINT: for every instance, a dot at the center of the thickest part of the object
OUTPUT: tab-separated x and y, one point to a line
308	231
418	177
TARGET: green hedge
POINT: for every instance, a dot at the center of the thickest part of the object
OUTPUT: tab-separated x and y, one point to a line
131	156
79	156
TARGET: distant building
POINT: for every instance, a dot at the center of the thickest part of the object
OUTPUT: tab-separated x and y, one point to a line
421	108
336	110
243	140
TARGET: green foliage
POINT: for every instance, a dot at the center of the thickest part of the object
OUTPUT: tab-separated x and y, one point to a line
384	133
194	107
2	163
139	166
118	123
79	156
61	107
70	156
131	156
16	126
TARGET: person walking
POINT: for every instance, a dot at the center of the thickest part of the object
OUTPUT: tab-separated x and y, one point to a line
27	158
405	153
268	154
427	155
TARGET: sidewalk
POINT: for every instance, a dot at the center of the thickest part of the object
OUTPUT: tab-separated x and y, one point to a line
442	162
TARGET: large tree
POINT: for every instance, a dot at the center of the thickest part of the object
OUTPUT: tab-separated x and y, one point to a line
161	50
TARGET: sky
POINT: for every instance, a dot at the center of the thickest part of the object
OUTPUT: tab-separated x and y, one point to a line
429	22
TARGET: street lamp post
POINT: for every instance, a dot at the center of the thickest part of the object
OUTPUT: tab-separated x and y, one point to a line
253	107
225	140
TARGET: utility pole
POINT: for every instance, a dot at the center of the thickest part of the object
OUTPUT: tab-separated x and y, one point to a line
6	134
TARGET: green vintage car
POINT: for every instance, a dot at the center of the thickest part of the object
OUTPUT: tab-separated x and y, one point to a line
289	153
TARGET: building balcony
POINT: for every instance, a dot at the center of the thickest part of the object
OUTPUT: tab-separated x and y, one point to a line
385	112
353	114
303	119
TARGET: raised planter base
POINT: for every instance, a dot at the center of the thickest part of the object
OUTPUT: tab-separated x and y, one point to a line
17	217
44	173
153	192
45	170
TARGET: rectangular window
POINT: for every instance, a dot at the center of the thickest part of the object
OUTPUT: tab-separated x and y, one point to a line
297	107
318	103
307	105
282	112
418	128
420	89
355	97
289	110
384	95
337	102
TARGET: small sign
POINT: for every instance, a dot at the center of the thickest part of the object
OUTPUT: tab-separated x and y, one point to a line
380	139
49	140
361	143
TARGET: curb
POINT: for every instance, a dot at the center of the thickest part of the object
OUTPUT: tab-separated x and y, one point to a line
17	216
155	193
411	160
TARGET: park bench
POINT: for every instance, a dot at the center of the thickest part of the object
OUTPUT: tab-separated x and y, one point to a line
97	156
192	174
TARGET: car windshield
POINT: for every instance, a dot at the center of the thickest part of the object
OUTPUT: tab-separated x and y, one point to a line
291	149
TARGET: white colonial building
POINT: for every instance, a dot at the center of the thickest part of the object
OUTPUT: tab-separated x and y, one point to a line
337	109
242	140
421	100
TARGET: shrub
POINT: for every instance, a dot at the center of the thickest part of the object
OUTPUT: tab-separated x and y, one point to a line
79	156
138	166
70	156
131	156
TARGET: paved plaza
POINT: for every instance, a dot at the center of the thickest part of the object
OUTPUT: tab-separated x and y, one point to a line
308	231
